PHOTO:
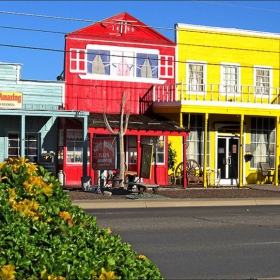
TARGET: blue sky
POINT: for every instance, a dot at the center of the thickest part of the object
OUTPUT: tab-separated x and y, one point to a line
22	46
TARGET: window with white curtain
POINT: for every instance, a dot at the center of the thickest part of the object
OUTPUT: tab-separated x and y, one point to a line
262	141
195	140
196	77
229	79
111	62
262	80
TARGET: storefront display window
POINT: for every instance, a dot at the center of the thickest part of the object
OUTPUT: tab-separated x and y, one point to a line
159	147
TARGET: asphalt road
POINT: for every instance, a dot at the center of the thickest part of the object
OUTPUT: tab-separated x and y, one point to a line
202	242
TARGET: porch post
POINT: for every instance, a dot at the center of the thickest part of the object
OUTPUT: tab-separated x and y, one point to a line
205	149
277	152
85	145
22	136
185	183
241	151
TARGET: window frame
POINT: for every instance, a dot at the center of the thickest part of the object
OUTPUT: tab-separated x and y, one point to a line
261	130
222	81
83	73
188	85
159	147
27	146
269	68
76	153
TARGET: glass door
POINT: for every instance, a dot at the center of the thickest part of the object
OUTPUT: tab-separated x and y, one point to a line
228	159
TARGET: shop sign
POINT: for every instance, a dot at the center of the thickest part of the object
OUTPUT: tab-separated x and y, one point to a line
104	153
11	100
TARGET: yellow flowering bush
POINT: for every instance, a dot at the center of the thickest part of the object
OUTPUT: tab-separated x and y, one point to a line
43	236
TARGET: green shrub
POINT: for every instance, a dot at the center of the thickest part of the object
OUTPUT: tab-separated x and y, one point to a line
43	236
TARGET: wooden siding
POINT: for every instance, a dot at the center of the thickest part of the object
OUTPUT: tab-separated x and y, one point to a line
39	95
46	127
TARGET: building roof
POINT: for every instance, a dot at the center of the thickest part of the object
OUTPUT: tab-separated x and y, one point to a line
138	122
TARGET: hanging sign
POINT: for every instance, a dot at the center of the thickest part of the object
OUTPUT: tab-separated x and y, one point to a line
104	153
11	100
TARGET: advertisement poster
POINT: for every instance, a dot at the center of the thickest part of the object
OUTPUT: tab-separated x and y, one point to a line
104	153
146	161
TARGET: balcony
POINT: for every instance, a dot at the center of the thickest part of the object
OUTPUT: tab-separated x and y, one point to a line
216	95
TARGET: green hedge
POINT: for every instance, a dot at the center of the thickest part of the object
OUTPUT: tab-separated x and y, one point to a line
43	236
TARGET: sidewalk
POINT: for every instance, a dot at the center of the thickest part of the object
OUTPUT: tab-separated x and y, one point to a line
151	203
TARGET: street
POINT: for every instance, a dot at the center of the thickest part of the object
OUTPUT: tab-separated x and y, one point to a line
202	242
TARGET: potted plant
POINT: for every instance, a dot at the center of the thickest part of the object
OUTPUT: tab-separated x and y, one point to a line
172	154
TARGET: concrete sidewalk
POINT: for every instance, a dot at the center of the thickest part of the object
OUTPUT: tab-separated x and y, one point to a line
117	204
187	202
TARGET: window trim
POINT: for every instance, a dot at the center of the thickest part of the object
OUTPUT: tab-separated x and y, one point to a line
196	62
261	67
87	76
238	86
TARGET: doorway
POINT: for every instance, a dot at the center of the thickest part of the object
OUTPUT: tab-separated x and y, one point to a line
228	159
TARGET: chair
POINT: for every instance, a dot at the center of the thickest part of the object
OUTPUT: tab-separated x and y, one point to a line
266	172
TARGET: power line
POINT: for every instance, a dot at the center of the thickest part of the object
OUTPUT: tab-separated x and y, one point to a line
110	55
183	44
134	25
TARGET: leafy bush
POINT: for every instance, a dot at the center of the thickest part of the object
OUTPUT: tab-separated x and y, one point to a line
43	236
172	154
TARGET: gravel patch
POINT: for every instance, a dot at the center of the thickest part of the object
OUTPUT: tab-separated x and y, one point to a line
178	193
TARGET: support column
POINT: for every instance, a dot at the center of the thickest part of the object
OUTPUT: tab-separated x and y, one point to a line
22	136
185	183
85	146
241	158
205	149
277	152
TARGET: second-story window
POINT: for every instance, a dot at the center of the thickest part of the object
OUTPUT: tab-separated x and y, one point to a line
195	77
262	80
121	63
98	62
229	79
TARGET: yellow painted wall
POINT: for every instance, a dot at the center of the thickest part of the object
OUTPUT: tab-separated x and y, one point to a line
216	47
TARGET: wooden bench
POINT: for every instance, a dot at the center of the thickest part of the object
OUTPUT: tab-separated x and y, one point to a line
142	187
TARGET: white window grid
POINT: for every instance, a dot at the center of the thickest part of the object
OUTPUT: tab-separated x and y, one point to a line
230	79
75	56
196	77
263	80
166	66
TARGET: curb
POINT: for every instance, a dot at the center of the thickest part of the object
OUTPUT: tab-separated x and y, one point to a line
107	204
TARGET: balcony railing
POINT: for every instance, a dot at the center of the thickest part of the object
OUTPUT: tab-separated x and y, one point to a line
216	93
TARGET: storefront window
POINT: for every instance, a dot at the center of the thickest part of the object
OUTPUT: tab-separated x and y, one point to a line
75	146
132	149
159	147
263	134
31	146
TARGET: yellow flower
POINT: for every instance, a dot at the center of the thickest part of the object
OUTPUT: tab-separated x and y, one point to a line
65	215
31	168
7	272
107	275
2	164
43	272
52	277
27	208
141	257
109	230
12	194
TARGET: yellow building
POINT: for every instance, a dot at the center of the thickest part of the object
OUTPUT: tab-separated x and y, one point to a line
227	93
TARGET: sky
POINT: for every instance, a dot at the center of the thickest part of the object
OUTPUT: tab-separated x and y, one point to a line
32	32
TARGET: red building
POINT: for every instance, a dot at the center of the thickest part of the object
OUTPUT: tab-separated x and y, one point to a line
102	62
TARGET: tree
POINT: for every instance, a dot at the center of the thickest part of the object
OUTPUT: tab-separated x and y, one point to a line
120	134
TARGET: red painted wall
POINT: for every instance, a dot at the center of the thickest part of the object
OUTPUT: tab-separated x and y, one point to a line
96	95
